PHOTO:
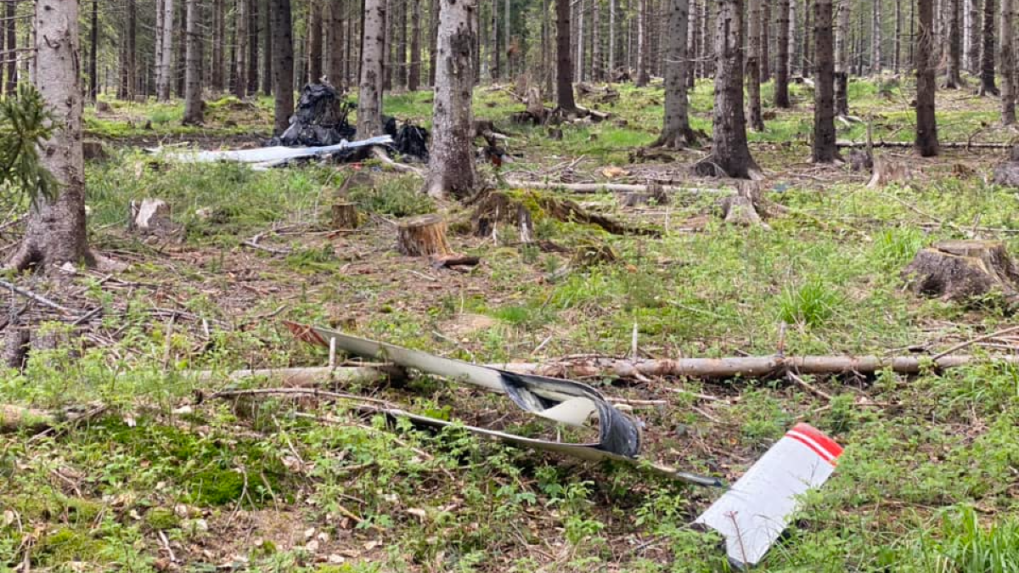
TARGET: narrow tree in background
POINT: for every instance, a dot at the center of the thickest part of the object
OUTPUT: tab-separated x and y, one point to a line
218	45
753	66
842	64
93	53
825	150
1007	59
953	76
332	14
12	46
805	51
282	64
451	166
55	232
897	57
765	41
676	132
165	61
987	53
730	153
564	67
643	45
254	28
782	57
267	55
193	114
314	41
433	39
973	53
926	123
875	38
596	55
241	37
414	75
369	112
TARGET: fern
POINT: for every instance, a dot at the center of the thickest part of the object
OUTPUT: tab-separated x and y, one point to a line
25	124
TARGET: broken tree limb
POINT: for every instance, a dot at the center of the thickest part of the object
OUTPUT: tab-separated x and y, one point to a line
910	145
614	187
14	418
753	366
307	376
37	298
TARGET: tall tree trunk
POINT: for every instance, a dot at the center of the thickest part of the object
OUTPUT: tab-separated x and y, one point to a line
805	52
926	124
433	40
897	59
730	152
494	42
241	21
875	37
401	43
314	42
1007	59
642	44
794	44
166	53
218	42
676	132
451	166
180	50
753	67
612	39
254	28
193	93
825	150
707	42
596	55
953	75
55	232
579	63
507	38
12	46
912	32
93	53
765	58
414	77
693	46
987	53
842	59
282	64
157	56
782	62
333	16
369	112
973	33
266	78
127	59
564	67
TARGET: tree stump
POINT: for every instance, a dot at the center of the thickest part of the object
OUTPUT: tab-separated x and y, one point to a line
423	236
962	271
344	215
151	217
743	209
886	172
498	208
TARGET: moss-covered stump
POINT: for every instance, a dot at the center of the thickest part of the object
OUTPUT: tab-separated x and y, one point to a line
498	213
963	271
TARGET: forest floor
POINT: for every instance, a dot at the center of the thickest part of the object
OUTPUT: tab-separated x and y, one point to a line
160	480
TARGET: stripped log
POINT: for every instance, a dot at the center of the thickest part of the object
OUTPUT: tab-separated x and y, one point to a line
910	145
14	418
307	376
613	187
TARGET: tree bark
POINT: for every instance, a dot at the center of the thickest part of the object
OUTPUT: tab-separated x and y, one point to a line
433	39
241	36
127	61
55	232
825	150
953	76
451	165
642	44
507	38
987	52
765	41
180	50
414	75
282	64
494	43
897	57
315	42
266	79
973	48
805	52
926	124
782	57
369	112
254	28
676	132
875	37
193	113
400	43
163	82
578	63
753	67
93	53
12	44
1008	78
730	152
597	73
612	39
564	67
218	42
842	65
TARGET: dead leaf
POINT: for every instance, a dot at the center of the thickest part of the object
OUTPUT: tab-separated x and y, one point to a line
613	172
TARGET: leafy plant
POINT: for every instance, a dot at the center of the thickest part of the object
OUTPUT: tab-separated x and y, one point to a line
25	124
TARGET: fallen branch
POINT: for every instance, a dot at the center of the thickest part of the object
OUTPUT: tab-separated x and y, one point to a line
910	145
37	298
381	155
14	418
614	187
307	376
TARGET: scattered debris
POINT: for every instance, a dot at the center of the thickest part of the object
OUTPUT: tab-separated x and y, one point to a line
887	171
265	157
152	217
860	160
964	271
320	119
756	510
1007	173
655	194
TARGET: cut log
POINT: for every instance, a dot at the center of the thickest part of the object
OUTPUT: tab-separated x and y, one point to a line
615	187
307	376
910	145
14	418
344	215
963	271
423	236
886	171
